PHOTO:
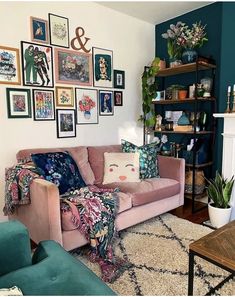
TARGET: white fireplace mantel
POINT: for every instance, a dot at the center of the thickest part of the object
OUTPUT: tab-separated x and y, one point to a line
228	161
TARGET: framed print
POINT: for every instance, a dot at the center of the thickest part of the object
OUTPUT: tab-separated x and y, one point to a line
43	105
72	67
119	79
9	66
37	67
64	97
18	103
66	125
103	67
118	98
106	103
59	30
39	30
87	106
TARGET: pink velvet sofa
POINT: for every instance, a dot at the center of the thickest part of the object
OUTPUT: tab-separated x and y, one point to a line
137	201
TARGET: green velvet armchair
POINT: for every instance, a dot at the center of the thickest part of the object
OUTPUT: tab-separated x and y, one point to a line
50	271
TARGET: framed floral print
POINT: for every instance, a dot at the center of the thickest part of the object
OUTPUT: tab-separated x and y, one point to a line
106	103
118	98
37	65
73	67
43	105
87	106
64	97
18	103
103	67
39	30
66	124
119	79
9	66
59	30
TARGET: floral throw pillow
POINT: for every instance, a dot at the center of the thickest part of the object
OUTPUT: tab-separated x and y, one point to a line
148	158
60	169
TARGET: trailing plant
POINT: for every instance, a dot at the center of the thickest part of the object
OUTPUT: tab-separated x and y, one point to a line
219	190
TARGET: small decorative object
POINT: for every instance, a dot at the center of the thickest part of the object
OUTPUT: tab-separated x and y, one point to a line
37	64
169	126
72	67
80	32
189	55
160	95
183	120
228	100
9	66
64	97
158	124
66	125
106	102
39	30
203	120
207	86
119	79
192	91
162	64
161	143
233	109
200	90
103	68
87	106
18	103
118	98
59	30
43	103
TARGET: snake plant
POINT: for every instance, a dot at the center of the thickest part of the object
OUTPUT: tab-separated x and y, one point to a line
219	190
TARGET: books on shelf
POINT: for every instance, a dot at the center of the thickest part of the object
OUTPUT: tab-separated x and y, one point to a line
185	128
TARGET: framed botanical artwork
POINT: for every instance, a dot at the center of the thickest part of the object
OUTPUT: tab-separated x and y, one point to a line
64	97
43	105
119	79
106	102
37	64
39	30
59	30
66	123
118	98
87	106
18	103
9	66
73	67
103	67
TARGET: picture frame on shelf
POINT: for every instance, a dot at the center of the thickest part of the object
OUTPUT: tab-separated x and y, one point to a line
102	67
37	65
119	79
59	30
66	123
43	105
10	65
64	97
87	106
73	67
118	98
39	30
160	95
18	103
106	103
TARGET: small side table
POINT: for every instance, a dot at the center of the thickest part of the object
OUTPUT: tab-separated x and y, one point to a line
217	247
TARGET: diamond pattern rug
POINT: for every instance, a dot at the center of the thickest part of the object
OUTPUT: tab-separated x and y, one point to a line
158	252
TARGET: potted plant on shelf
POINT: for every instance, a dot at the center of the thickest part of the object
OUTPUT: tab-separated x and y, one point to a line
219	192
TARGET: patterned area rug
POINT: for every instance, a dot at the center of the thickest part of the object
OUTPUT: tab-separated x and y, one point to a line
158	252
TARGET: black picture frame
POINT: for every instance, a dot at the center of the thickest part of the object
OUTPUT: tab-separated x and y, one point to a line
43	105
106	109
65	123
119	79
18	103
118	98
59	30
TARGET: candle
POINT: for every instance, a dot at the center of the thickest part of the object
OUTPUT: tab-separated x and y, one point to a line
229	89
233	88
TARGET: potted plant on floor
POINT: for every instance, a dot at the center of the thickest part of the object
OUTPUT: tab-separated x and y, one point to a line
219	192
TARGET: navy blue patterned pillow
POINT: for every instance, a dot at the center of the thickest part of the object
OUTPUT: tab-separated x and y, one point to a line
148	158
60	169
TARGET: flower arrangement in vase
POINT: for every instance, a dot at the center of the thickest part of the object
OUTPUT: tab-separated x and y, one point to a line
85	105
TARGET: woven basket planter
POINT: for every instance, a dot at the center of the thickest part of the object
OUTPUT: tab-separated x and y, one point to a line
199	182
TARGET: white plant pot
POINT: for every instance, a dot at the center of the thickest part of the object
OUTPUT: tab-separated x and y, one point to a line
218	216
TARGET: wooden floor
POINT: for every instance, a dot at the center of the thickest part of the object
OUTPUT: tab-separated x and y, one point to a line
185	212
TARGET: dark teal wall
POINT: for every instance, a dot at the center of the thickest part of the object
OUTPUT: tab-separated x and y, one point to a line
220	20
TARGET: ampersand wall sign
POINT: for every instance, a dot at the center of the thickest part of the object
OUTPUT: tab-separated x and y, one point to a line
80	32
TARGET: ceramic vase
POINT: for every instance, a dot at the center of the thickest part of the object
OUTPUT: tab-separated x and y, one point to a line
218	216
189	56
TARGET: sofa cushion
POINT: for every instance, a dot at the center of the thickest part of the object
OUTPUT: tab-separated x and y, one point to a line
148	158
61	169
149	190
96	159
121	167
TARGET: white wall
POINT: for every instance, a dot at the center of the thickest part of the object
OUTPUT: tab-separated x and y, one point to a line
132	42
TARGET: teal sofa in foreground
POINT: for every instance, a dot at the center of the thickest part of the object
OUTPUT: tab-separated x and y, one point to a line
50	271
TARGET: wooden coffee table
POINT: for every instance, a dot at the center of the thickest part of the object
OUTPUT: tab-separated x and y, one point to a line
218	247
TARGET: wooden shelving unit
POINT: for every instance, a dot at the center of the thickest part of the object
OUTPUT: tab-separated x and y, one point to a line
182	101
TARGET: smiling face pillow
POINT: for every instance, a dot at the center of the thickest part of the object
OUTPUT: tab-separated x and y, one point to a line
121	167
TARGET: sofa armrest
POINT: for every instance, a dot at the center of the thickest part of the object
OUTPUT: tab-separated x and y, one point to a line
42	215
